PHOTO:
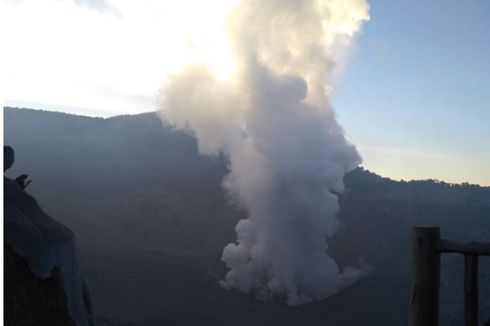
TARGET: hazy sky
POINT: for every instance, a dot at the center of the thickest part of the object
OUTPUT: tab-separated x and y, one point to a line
414	96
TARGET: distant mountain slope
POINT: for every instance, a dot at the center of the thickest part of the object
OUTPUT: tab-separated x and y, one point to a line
151	220
123	166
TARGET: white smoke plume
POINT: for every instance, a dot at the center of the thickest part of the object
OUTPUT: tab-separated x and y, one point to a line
287	154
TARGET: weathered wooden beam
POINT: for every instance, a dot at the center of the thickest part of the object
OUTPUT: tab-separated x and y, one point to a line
424	305
466	248
471	290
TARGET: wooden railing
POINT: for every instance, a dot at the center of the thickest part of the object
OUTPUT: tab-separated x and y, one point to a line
427	247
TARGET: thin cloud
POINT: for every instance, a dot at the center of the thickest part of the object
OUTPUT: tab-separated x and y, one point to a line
412	153
99	5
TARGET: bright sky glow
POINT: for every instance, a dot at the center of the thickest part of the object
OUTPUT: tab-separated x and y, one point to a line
414	96
93	55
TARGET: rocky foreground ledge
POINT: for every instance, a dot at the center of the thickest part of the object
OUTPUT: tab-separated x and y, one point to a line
42	280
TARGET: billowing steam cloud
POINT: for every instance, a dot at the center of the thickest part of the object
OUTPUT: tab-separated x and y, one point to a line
273	120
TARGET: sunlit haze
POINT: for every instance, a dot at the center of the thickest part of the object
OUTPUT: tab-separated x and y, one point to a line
95	58
416	104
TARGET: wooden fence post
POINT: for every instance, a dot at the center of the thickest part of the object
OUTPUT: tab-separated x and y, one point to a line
471	289
424	304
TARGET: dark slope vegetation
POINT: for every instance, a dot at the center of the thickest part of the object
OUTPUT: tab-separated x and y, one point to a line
151	221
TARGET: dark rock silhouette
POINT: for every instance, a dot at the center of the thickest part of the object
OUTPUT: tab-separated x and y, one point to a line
42	280
29	300
22	181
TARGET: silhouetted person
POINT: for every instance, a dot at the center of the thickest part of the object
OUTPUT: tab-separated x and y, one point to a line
8	157
8	161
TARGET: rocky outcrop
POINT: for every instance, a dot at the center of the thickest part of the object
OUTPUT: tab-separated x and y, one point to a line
30	300
43	285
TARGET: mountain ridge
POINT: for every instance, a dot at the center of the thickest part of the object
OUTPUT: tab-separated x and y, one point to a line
154	113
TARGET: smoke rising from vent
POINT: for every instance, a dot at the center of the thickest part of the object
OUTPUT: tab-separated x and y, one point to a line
287	154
